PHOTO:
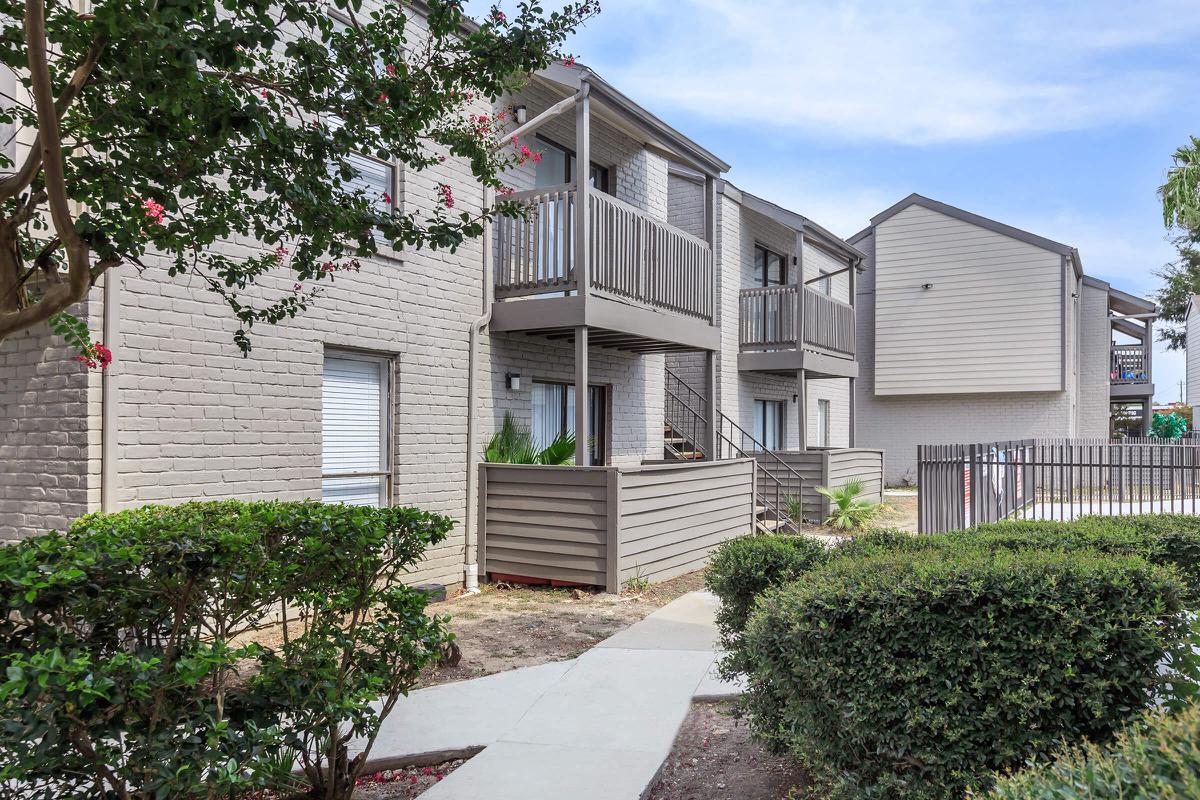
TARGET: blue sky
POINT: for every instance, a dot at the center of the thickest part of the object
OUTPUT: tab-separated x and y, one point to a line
1056	117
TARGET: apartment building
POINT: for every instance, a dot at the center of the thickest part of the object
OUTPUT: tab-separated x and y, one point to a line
387	389
973	330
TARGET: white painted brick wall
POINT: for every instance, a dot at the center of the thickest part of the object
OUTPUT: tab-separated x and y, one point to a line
45	450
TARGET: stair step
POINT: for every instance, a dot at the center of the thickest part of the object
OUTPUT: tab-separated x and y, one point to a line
760	510
769	525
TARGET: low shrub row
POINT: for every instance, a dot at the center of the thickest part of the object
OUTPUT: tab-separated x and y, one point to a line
1169	539
127	647
898	666
1155	758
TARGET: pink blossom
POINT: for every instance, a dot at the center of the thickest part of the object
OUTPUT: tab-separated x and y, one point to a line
447	196
505	191
498	16
537	157
95	355
569	61
263	94
390	69
280	253
154	211
387	198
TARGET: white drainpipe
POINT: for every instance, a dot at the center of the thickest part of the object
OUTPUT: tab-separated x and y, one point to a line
109	396
471	566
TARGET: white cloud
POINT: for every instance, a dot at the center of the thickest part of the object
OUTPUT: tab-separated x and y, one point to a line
916	72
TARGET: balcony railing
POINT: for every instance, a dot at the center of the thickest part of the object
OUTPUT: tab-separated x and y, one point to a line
635	258
1129	364
770	317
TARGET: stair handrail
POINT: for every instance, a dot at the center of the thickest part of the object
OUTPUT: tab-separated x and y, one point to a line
738	450
696	416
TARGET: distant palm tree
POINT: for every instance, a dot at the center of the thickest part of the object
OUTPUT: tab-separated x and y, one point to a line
514	444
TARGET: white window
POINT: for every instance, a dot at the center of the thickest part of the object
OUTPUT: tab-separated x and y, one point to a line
825	284
355	467
768	423
822	423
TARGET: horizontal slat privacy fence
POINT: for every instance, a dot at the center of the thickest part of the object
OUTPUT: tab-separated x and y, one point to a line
964	485
634	256
604	525
830	467
769	317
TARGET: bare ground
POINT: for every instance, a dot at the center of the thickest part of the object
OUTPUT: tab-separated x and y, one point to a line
714	758
507	626
901	512
402	784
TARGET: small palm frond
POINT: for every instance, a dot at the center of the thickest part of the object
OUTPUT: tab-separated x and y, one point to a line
559	452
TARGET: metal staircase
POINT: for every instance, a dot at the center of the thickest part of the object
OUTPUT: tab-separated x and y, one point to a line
684	436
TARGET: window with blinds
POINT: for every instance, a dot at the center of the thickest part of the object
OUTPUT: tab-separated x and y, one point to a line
355	467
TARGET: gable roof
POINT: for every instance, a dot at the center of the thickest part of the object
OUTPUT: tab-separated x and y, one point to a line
651	128
1193	305
797	222
915	199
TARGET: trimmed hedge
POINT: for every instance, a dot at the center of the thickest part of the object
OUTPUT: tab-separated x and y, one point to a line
1168	539
742	569
918	674
1156	758
128	670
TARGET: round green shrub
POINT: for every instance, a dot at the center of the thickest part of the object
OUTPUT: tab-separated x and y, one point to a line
917	674
742	569
1155	758
124	643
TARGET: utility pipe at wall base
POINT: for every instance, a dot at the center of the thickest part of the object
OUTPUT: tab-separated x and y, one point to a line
471	565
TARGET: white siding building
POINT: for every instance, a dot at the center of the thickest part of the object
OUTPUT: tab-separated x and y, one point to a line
972	330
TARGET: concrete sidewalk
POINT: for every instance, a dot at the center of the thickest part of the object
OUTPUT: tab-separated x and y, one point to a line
598	727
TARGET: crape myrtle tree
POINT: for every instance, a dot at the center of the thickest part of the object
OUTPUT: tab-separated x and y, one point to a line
166	126
1181	211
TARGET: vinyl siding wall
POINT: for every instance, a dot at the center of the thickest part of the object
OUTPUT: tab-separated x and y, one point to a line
897	424
992	321
1192	371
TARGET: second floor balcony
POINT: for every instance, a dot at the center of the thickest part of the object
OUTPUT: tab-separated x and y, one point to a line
579	259
787	328
1129	371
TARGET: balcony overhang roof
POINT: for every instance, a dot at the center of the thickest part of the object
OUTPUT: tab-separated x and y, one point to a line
618	110
797	222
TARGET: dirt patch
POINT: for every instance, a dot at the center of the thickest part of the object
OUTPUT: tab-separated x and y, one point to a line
901	512
714	758
403	784
507	626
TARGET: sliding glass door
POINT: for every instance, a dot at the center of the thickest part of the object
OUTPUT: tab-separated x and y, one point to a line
554	414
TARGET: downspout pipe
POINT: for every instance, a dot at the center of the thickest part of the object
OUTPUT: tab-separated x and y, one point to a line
109	396
471	563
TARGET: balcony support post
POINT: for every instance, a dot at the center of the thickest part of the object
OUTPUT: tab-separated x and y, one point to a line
802	409
710	236
798	299
853	414
710	410
583	161
581	396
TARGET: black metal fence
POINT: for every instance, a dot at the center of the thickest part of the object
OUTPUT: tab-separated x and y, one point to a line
963	485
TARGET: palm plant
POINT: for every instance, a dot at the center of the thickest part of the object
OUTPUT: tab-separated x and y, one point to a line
514	444
847	511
